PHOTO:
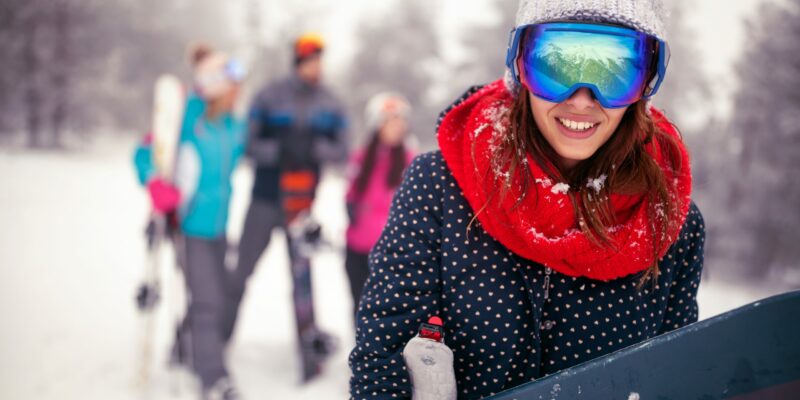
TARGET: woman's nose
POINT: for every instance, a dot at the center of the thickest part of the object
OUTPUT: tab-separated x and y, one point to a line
582	99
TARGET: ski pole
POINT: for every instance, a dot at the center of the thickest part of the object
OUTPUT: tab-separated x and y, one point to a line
147	298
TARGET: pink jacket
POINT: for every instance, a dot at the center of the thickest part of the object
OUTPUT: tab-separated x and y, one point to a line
370	208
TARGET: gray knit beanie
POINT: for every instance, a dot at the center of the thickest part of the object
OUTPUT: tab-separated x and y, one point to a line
648	16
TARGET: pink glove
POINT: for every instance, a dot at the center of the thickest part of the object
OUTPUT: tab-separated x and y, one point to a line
164	196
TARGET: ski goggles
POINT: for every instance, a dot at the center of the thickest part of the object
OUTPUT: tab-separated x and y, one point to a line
232	71
235	70
619	65
212	83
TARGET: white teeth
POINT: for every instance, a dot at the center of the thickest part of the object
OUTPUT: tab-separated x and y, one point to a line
576	126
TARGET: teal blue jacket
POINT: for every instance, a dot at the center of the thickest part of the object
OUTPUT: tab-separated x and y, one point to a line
207	156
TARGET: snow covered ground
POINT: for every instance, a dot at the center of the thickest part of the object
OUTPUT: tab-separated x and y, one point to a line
72	254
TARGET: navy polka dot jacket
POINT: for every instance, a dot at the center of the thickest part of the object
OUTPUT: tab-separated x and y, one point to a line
508	320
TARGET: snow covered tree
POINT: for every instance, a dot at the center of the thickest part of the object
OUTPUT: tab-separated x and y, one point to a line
87	65
761	175
396	52
403	52
49	48
487	45
685	91
21	24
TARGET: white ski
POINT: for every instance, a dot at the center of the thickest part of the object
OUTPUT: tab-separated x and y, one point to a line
168	105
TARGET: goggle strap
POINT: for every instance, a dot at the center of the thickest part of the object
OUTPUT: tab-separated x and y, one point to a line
513	52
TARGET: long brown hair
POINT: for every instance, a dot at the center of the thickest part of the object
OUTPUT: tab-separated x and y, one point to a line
623	160
396	168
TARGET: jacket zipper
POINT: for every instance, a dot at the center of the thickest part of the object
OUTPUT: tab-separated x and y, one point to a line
547	273
547	324
225	167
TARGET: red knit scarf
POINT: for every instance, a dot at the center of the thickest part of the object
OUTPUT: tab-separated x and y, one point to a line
543	228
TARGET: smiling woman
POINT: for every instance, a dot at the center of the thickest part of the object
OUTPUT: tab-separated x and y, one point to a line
576	128
554	225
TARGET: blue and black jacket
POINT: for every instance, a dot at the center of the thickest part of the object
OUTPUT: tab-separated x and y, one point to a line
293	126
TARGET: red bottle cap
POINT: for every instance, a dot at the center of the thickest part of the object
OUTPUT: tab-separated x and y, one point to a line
433	330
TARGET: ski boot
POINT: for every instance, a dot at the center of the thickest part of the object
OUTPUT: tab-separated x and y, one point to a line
179	354
315	348
222	389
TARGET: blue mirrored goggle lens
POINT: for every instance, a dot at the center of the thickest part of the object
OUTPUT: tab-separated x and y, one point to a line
615	63
235	70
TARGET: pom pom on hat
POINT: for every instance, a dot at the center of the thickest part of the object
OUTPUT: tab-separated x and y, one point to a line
307	45
383	106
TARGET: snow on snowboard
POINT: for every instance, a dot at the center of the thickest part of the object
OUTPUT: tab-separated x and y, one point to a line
746	354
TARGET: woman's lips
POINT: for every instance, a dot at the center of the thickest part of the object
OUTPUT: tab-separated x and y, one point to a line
576	133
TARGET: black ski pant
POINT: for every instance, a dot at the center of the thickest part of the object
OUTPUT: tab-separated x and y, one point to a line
357	266
262	218
205	280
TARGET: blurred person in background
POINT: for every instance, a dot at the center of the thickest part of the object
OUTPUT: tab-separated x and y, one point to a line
296	124
212	140
196	53
554	225
374	173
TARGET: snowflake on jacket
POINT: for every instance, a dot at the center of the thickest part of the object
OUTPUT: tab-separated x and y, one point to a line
504	326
